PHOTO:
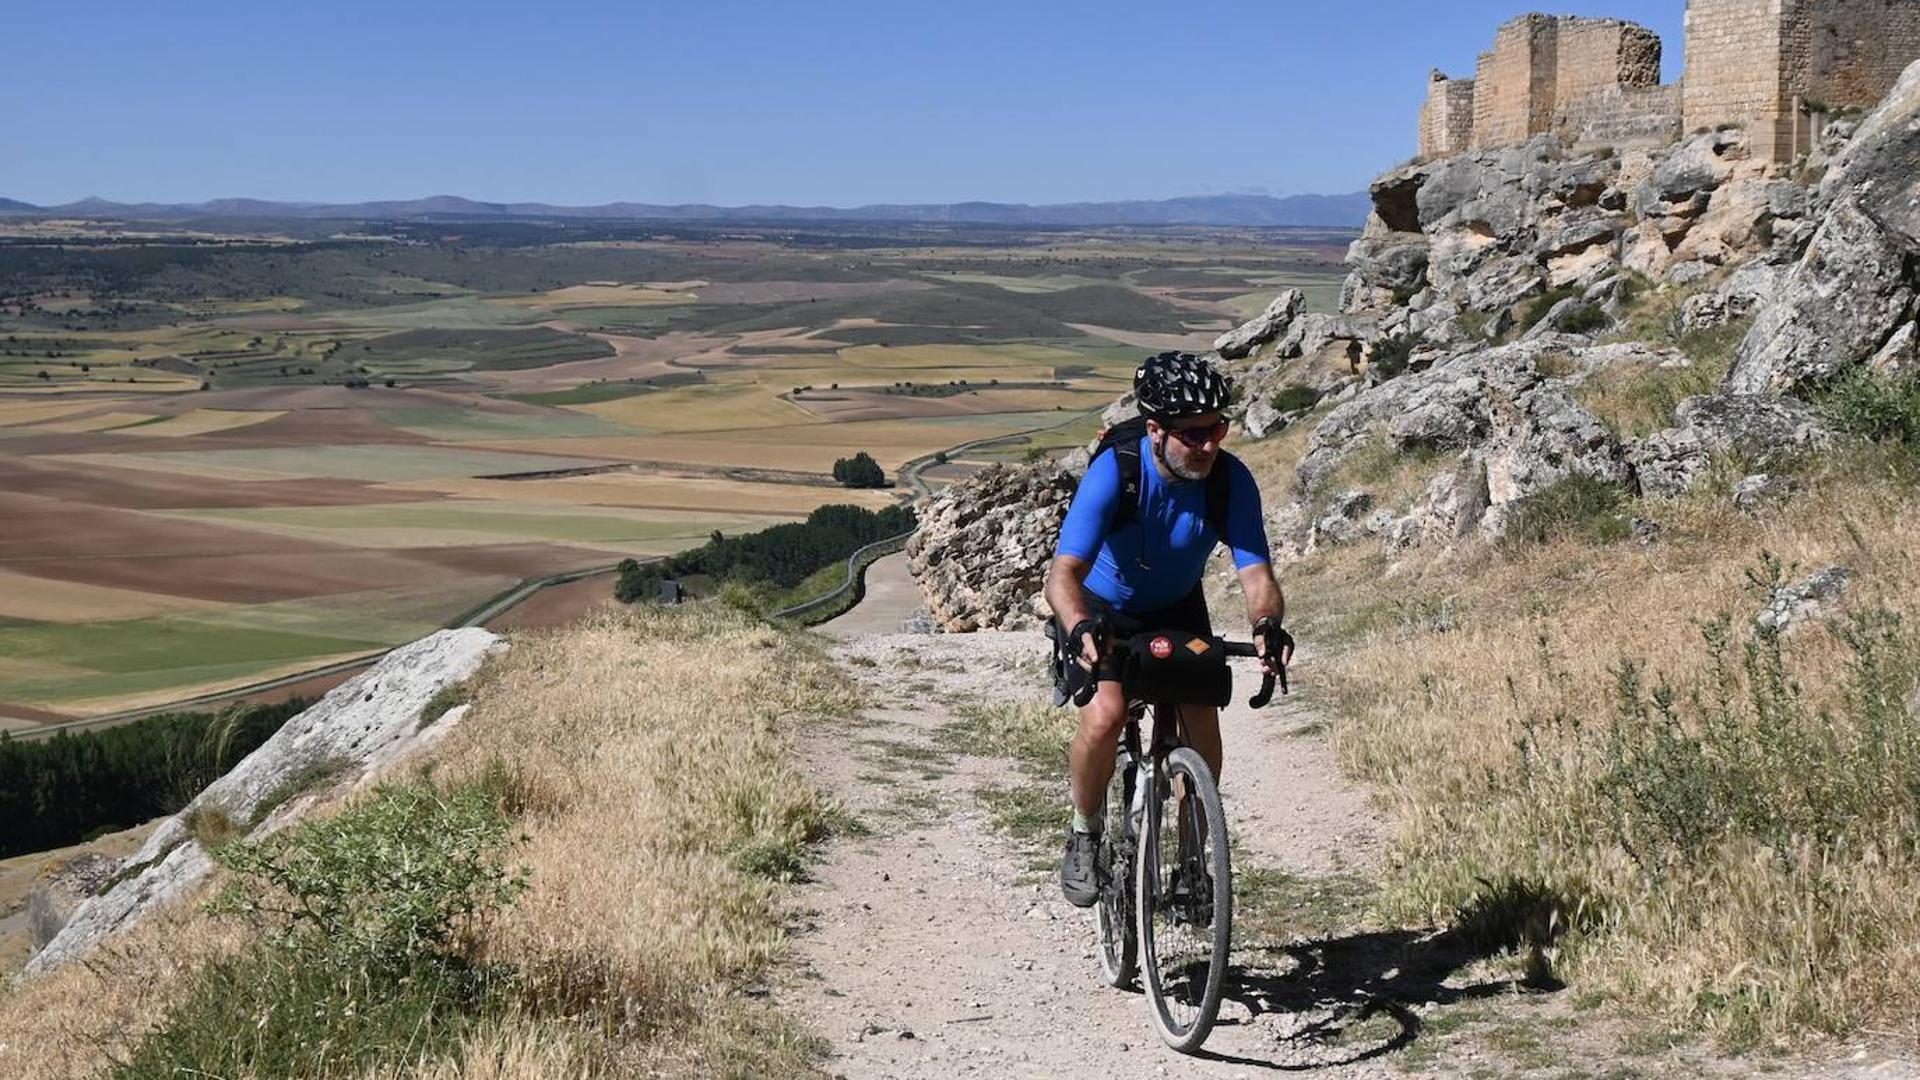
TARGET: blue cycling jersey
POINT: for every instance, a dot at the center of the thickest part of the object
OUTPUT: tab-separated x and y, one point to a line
1156	559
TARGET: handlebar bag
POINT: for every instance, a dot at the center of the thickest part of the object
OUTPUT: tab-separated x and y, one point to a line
1174	667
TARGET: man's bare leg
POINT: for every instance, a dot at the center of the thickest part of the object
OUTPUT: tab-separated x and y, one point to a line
1090	759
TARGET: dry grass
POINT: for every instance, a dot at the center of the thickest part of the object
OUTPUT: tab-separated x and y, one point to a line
1503	748
645	758
647	754
73	1022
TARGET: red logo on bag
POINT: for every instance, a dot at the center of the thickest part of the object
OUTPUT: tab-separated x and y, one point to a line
1161	648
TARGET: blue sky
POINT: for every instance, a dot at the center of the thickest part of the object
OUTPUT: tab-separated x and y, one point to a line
714	101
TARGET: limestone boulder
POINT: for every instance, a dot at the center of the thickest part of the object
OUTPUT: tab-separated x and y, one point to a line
1791	606
980	556
1448	509
1262	328
1396	262
1847	296
1838	305
1879	167
359	730
59	891
1763	429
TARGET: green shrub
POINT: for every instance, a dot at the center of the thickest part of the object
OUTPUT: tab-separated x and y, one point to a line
1585	319
1745	756
1296	397
859	471
445	699
1391	355
359	960
1863	404
1544	303
1578	506
384	884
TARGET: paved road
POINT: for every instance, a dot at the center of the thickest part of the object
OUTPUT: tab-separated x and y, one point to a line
891	597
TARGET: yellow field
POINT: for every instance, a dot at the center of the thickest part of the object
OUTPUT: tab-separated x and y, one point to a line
801	447
706	407
47	600
32	412
151	382
601	293
203	421
641	491
168	464
99	422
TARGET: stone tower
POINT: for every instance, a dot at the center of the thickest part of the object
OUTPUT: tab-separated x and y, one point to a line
1778	67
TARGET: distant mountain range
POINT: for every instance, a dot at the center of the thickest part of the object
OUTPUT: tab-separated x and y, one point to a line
1336	211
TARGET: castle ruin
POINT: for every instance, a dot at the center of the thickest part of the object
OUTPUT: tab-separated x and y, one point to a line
1776	68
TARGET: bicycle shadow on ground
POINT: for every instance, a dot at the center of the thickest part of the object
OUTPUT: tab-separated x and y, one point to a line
1349	999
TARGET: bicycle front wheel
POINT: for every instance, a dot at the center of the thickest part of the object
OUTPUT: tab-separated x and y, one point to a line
1113	915
1184	898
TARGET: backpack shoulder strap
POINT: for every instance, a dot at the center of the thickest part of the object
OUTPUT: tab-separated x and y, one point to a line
1220	494
1126	455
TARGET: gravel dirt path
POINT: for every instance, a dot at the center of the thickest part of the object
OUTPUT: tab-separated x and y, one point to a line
934	943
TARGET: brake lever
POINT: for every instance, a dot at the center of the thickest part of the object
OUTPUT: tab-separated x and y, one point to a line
1259	700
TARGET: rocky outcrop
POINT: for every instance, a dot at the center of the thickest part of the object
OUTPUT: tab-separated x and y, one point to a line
981	554
1759	429
1507	410
1262	328
358	730
1858	284
1488	230
59	891
1790	606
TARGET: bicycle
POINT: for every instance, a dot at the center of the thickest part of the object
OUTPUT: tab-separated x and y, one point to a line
1168	893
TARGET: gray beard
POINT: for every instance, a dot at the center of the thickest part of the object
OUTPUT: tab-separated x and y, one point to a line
1177	471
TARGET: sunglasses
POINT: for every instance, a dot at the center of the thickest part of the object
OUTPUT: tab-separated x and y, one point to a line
1200	435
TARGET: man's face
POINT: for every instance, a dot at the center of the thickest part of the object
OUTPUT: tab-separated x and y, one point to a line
1190	444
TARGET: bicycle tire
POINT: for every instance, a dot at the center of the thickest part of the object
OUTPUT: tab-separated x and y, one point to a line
1113	913
1184	1002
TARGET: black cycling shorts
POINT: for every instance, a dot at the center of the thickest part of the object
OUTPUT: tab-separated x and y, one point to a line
1188	613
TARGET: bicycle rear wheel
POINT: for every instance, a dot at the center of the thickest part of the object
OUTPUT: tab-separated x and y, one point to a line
1113	914
1184	899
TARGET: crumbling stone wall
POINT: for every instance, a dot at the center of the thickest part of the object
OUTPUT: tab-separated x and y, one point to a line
1596	55
1621	117
1446	119
1547	73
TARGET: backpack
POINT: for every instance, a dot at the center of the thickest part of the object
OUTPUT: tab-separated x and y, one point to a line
1123	439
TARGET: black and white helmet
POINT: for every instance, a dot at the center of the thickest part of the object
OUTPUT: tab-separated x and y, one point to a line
1180	384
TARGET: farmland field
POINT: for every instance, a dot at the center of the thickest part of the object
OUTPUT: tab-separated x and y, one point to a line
222	464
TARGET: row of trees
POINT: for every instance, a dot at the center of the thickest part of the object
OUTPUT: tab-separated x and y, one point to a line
66	789
776	558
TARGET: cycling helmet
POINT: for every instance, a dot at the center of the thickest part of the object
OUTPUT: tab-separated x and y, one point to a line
1173	384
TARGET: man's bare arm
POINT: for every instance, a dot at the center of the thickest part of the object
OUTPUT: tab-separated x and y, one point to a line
1065	577
1264	599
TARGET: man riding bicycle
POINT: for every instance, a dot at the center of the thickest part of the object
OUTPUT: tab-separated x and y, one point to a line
1120	569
